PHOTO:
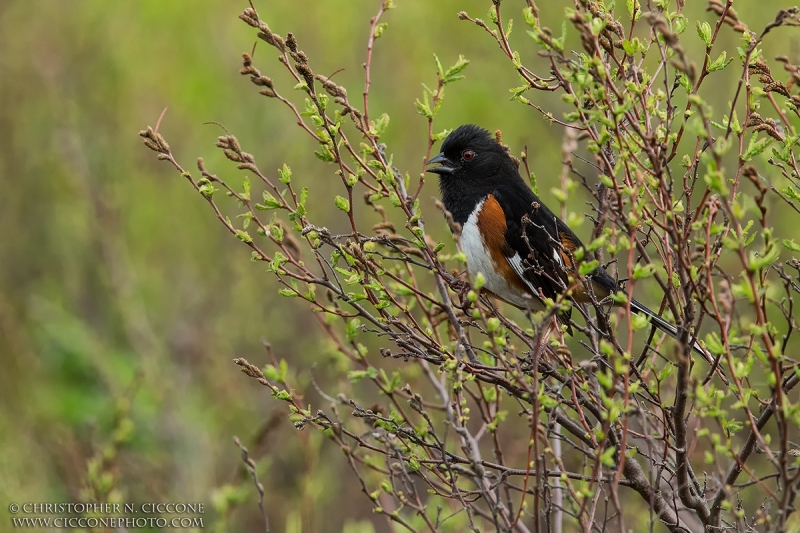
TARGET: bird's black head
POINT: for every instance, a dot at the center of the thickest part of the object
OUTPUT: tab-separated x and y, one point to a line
468	149
471	164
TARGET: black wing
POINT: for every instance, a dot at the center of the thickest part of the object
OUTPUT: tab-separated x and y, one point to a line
545	245
531	233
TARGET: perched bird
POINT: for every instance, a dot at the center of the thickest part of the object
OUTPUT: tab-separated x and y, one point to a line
522	249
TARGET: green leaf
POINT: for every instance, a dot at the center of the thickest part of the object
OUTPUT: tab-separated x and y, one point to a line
529	17
424	107
704	31
439	68
378	127
765	258
325	154
559	195
276	232
278	260
791	245
558	44
379	29
607	457
680	24
634	9
716	182
357	375
500	416
534	184
243	236
285	174
282	395
714	344
619	297
791	193
207	190
270	202
587	267
545	400
598	243
743	290
606	180
453	73
719	63
639	322
733	426
756	147
666	372
685	82
597	26
351	329
342	204
517	91
643	271
246	188
628	47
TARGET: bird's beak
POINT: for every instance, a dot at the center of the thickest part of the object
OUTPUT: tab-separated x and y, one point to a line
445	165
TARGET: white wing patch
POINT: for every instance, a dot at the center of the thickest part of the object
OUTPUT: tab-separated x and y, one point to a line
557	257
516	264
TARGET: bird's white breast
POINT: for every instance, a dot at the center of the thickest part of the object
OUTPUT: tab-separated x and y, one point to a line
479	259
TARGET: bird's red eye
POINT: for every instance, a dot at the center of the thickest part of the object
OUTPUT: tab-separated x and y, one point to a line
467	155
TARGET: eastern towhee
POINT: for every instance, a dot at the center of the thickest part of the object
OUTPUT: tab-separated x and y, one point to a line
522	249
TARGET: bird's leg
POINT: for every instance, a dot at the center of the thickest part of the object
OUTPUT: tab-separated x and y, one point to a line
548	329
529	317
461	287
559	330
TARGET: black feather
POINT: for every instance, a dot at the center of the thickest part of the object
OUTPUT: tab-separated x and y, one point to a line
663	325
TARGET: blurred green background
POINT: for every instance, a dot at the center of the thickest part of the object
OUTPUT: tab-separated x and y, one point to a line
123	300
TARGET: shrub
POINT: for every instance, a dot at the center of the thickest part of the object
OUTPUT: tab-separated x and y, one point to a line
488	423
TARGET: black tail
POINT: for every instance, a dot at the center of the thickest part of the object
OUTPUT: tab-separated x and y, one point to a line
667	328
